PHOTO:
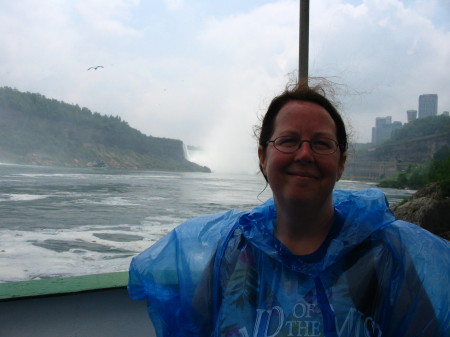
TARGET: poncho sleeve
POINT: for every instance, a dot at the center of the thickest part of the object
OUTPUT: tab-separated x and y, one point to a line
422	297
167	275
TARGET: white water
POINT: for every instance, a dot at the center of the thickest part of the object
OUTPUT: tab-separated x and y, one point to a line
58	222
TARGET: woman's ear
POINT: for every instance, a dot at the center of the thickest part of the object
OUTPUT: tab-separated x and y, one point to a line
341	166
262	159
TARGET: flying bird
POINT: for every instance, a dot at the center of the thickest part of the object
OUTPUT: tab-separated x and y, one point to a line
95	68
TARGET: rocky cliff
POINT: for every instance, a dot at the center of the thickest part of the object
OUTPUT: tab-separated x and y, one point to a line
428	208
414	144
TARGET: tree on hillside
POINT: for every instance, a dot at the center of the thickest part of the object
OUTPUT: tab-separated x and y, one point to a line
33	126
422	127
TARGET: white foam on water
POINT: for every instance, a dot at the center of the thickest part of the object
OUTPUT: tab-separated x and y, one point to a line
109	201
41	175
91	249
21	197
155	176
21	260
93	174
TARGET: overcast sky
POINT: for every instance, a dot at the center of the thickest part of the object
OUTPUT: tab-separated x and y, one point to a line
203	71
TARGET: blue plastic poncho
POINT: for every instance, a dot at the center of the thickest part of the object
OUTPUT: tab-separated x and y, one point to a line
227	275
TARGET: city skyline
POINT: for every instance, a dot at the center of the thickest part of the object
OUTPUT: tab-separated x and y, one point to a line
384	126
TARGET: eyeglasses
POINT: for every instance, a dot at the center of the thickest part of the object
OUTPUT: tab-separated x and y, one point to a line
321	145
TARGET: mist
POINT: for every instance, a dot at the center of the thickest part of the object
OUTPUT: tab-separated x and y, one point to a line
204	74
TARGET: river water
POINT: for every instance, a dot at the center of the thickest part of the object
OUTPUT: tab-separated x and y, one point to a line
58	222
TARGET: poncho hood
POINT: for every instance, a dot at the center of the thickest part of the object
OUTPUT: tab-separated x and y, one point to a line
365	212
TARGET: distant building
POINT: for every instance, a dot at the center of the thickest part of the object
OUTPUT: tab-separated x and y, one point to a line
383	129
445	113
412	115
428	105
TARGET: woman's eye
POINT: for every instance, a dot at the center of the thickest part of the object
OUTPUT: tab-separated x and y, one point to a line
287	141
322	144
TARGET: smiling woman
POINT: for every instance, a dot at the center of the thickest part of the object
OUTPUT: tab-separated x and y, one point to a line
302	181
294	265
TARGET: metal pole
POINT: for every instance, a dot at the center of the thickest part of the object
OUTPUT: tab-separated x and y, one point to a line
304	41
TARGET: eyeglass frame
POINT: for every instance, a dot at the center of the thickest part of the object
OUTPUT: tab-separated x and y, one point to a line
300	143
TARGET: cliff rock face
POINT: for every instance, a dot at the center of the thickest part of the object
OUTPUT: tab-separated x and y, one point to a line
400	151
428	208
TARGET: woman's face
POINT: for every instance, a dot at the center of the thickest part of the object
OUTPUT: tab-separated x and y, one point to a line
303	176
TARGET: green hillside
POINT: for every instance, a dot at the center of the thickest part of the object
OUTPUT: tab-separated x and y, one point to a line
41	131
421	128
413	143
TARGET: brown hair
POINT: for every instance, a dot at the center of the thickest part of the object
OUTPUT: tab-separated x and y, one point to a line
301	92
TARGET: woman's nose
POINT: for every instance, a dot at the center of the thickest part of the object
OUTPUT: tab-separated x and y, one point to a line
304	152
